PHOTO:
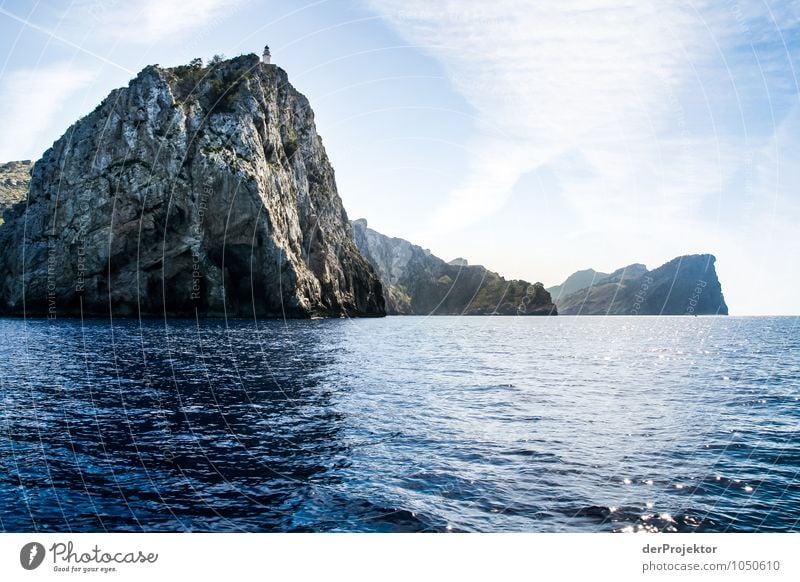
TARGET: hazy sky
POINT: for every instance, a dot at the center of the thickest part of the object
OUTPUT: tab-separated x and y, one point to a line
536	138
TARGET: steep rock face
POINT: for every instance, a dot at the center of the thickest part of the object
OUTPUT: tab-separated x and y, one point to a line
416	282
191	191
15	178
685	285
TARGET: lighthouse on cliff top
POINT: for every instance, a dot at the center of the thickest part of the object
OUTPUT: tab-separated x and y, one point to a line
265	58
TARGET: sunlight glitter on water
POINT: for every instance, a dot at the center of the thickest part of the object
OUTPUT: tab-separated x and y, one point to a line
400	424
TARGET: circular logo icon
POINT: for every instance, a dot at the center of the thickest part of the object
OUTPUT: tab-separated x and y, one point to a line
31	555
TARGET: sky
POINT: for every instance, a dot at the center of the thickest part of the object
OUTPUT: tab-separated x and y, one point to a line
535	138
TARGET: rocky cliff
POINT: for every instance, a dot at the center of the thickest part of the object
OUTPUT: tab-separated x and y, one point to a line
575	282
15	178
589	277
685	285
416	282
193	190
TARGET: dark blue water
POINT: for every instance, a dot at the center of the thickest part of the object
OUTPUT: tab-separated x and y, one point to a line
401	424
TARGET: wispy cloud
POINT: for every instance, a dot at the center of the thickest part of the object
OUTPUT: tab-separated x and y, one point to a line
588	77
161	19
31	101
151	21
607	93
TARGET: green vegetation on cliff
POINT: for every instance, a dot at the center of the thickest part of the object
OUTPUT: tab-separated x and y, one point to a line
15	178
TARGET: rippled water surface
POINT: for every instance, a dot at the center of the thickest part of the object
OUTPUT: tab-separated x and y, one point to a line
401	424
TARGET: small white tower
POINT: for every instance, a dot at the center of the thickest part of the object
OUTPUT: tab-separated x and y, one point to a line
266	56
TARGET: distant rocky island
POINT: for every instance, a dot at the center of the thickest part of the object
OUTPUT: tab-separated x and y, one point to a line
195	190
206	191
415	282
686	285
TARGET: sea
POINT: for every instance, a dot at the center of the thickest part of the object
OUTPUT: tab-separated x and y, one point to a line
401	424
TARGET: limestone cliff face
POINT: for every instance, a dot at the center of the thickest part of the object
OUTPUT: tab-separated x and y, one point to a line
416	282
194	190
685	285
15	178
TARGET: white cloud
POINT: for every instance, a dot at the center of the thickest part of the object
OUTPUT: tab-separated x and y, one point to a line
166	18
608	84
150	21
31	101
591	78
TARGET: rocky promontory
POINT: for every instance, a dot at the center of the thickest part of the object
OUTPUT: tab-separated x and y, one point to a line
416	282
686	285
195	190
